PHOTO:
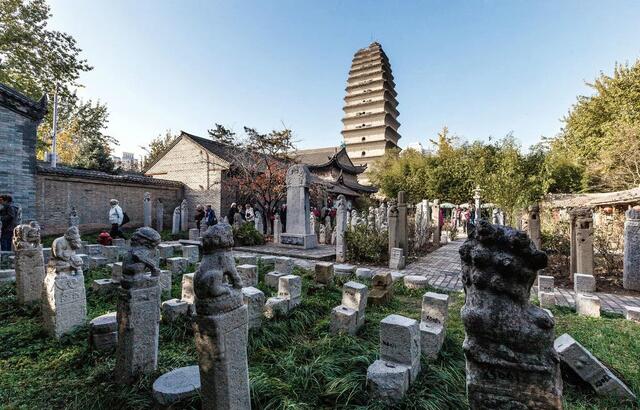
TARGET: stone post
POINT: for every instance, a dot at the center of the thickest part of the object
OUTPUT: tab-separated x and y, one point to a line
64	300
631	273
393	228
533	224
299	231
159	215
341	228
184	216
574	215
476	198
29	262
221	325
277	228
175	228
138	308
402	223
259	225
146	209
327	230
435	215
74	219
514	365
584	245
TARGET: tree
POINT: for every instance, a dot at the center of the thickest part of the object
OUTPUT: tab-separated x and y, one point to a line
94	154
600	131
157	147
259	164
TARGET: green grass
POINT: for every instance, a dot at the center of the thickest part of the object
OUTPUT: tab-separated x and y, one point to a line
294	362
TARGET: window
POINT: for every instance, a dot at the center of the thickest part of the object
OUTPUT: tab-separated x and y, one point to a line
363	153
363	139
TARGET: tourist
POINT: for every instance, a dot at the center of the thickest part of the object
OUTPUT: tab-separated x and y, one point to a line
199	215
283	217
210	218
9	219
116	217
466	219
232	212
249	215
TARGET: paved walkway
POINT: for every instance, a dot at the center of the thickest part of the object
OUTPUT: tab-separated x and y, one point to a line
442	270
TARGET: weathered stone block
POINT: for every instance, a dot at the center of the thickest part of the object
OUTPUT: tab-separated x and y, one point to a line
7	275
93	250
343	270
431	338
177	247
116	271
166	277
187	288
435	308
584	283
354	296
103	286
103	332
324	272
344	320
29	274
46	254
83	256
397	276
364	273
249	274
247	260
178	384
589	368
165	250
547	299
267	260
284	265
415	282
275	306
587	305
382	289
272	279
396	259
290	288
545	283
112	253
191	252
194	234
400	342
177	265
97	262
173	309
631	265
254	299
632	313
387	381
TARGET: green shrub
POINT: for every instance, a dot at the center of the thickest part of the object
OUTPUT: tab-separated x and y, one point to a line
367	245
556	240
247	235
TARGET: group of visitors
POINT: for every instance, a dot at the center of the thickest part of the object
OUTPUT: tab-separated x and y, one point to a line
9	219
208	215
246	213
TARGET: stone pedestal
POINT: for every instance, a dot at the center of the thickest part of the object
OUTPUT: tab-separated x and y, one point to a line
402	224
221	343
64	302
29	267
324	272
393	228
435	215
396	259
382	289
435	311
631	274
103	332
249	274
138	327
581	241
175	226
254	299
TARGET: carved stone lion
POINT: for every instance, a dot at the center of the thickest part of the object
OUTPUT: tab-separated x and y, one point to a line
141	256
63	252
26	236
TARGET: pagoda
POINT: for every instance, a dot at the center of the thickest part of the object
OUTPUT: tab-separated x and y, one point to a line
370	124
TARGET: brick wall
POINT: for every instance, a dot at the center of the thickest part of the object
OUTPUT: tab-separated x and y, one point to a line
57	194
200	172
17	159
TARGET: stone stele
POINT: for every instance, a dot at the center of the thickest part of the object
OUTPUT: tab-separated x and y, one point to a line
299	232
138	308
29	262
631	275
64	300
508	346
221	325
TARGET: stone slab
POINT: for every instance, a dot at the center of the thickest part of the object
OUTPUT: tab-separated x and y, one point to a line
632	313
387	381
275	306
254	299
364	273
400	342
249	274
343	270
584	283
324	272
319	253
290	288
272	279
588	305
415	282
173	309
343	320
176	385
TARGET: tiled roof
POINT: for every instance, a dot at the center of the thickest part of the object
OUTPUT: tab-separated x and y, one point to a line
20	103
325	157
594	199
44	169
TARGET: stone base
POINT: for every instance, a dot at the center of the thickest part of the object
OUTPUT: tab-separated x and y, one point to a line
299	240
103	286
415	282
7	276
588	305
344	320
178	384
64	302
103	332
249	274
632	313
221	343
387	381
431	339
380	296
343	270
324	272
254	299
364	273
276	306
172	309
272	279
247	260
547	299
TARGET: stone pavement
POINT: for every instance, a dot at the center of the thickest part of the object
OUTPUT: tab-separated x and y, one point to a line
442	270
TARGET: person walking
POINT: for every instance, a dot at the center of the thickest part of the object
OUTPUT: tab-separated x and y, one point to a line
233	209
200	214
9	219
249	215
210	218
116	216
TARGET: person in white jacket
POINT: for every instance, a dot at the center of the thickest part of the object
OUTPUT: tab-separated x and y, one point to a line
115	219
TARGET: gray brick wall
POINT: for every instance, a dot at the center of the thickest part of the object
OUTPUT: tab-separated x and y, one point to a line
17	160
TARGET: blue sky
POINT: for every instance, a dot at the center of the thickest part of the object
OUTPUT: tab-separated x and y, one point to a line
482	68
